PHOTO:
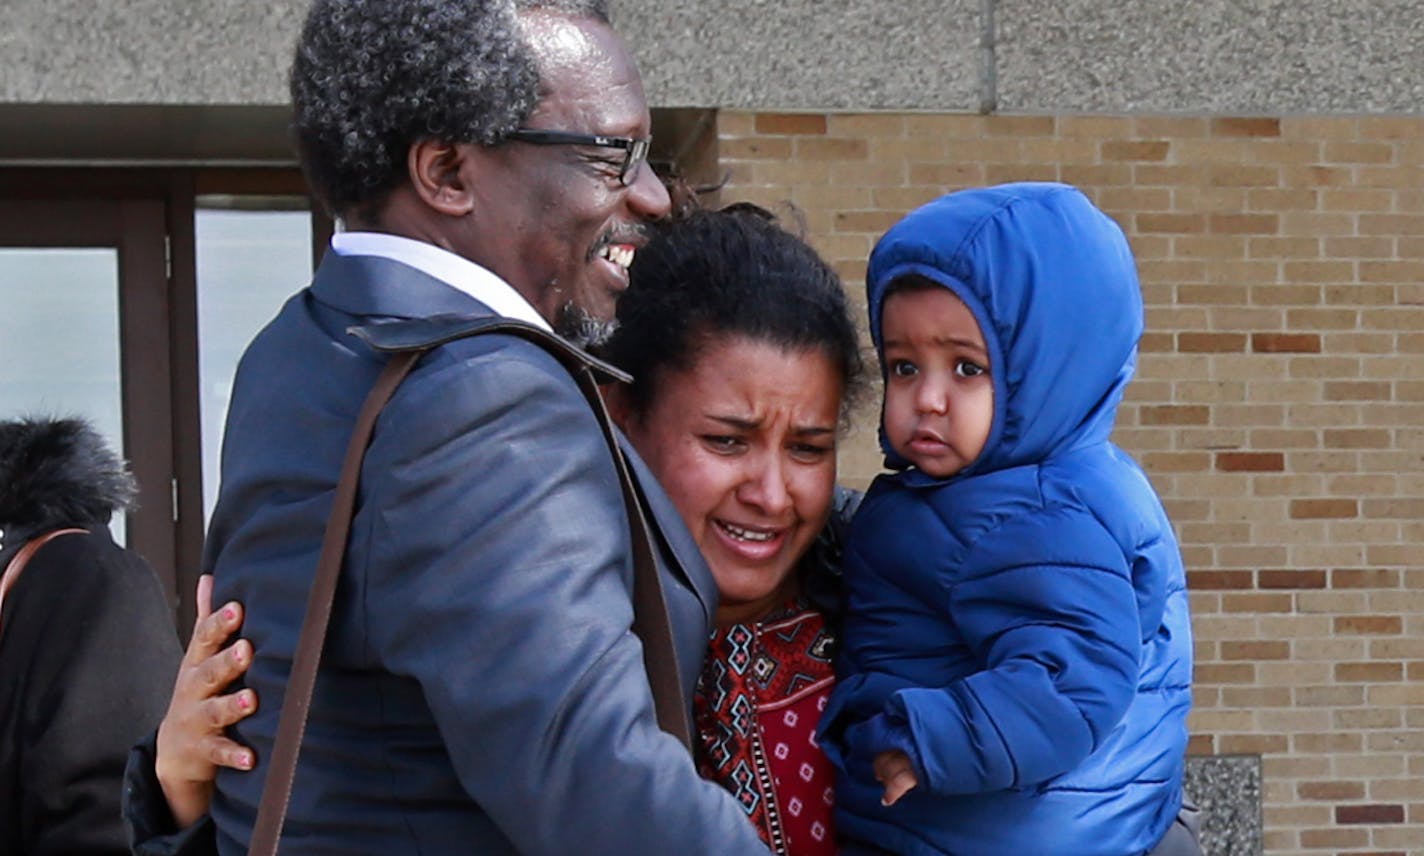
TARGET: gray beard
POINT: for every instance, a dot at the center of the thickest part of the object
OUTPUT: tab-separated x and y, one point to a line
581	329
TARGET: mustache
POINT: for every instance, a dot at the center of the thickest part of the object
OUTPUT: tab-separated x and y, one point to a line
637	234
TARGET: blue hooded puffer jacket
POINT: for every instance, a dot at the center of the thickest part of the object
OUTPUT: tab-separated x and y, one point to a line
1021	628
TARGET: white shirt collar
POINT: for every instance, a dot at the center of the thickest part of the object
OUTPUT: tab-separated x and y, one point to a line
455	271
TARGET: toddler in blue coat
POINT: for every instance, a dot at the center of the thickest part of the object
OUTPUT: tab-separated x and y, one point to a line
1016	658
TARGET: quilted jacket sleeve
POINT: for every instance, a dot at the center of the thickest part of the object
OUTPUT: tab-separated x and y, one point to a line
1047	605
496	484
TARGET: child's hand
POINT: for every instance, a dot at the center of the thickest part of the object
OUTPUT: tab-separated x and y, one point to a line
894	770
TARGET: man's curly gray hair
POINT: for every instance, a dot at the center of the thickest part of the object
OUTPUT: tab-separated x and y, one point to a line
371	77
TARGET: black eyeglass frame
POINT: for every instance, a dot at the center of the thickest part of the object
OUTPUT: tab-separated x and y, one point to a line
635	152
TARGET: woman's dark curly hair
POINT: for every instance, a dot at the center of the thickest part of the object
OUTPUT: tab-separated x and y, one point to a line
733	272
371	77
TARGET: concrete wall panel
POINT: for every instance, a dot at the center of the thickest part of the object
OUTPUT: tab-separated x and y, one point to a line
828	54
147	51
1269	57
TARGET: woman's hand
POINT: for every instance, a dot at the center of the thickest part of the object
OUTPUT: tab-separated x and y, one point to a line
191	745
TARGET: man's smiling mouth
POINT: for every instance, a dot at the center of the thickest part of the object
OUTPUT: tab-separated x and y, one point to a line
618	254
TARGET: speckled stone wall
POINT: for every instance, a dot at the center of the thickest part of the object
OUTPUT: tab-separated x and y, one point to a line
1219	56
146	51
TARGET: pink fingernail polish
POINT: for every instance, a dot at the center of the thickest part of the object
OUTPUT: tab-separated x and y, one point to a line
244	702
229	614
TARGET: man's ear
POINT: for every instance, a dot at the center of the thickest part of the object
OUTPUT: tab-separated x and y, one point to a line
442	175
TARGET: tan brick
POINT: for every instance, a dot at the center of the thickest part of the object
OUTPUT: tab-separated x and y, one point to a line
1250	461
755	148
1061	151
1360	248
832	148
1251	744
1241	318
1201	744
791	123
1385	578
1004	173
1391	224
1170	223
1257	603
1358	391
1253	224
911	149
1407	509
1367	718
999	124
1291	579
1240	175
1390	127
1304	509
1275	247
1363	438
875	125
1290	438
1368	625
1326	367
1228	126
873	222
1285	343
946	175
1352	152
1331	791
1395	695
1109	175
1255	651
1167	175
1103	127
1203	343
1325	839
1175	462
1136	150
863	173
1322	319
1134	199
1368	673
1257	698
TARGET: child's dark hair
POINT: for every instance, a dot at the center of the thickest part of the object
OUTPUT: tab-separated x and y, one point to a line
733	272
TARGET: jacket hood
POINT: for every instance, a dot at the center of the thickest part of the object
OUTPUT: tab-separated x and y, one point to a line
1053	285
56	473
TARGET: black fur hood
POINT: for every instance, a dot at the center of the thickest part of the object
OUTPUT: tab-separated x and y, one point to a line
56	473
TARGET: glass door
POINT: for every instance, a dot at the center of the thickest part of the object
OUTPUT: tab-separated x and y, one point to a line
84	333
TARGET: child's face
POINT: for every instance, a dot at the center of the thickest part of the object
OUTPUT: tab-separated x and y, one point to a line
939	397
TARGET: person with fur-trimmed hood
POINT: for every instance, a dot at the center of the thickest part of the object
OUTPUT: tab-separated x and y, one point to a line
87	644
1015	670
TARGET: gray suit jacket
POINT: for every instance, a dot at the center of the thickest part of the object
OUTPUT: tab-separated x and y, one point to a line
481	691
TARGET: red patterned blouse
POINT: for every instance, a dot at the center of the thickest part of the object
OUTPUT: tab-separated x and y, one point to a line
758	700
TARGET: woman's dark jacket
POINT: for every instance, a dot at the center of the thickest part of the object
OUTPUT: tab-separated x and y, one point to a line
87	645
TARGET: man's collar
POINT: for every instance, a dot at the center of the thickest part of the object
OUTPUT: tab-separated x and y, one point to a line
455	271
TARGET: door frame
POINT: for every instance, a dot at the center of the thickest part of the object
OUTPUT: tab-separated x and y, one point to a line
147	213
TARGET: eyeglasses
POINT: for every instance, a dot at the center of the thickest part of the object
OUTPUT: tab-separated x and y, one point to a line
635	152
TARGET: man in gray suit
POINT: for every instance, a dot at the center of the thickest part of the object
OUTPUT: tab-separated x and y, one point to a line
481	691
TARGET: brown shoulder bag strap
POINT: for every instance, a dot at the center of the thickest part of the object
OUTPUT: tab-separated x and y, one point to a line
650	617
24	554
296	699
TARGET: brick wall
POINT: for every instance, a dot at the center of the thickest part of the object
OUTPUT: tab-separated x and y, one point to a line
1278	407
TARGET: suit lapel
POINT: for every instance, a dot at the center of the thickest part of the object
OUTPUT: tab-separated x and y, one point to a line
678	550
